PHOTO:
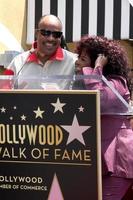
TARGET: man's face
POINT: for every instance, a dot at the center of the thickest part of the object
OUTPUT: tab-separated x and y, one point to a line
48	36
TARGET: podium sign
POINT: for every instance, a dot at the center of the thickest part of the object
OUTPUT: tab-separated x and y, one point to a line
50	145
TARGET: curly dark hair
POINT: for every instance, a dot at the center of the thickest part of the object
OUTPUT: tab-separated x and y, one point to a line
117	58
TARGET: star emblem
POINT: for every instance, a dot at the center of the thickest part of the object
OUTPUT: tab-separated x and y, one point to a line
3	110
81	109
75	131
38	112
55	190
58	106
11	118
23	117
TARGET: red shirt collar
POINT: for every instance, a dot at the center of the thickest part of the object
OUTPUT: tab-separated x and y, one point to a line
58	55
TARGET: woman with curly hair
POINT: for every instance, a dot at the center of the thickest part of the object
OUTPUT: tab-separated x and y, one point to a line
106	58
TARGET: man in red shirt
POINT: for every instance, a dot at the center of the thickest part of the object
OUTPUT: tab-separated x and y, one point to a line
46	58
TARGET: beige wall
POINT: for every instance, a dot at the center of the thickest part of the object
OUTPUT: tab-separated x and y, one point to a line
13	17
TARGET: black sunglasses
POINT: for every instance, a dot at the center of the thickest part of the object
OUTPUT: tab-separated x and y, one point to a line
55	34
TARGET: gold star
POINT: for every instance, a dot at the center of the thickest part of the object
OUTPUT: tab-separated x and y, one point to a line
3	110
58	105
38	112
11	118
23	117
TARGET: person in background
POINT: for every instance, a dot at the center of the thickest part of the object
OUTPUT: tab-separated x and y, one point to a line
63	43
46	58
103	57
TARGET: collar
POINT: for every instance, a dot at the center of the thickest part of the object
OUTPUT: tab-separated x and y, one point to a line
58	55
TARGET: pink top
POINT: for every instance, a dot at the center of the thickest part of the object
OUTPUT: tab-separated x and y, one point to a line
116	133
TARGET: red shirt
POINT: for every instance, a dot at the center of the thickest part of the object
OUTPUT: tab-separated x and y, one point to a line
58	55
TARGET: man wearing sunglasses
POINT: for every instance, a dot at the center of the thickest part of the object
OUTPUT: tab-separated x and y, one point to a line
46	58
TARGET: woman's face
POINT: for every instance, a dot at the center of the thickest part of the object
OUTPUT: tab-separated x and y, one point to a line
83	61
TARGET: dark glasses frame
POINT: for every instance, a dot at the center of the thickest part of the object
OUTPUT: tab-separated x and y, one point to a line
47	33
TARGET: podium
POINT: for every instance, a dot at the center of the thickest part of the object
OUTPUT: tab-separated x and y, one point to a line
50	138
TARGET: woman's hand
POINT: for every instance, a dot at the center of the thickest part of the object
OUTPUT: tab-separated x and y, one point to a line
101	61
